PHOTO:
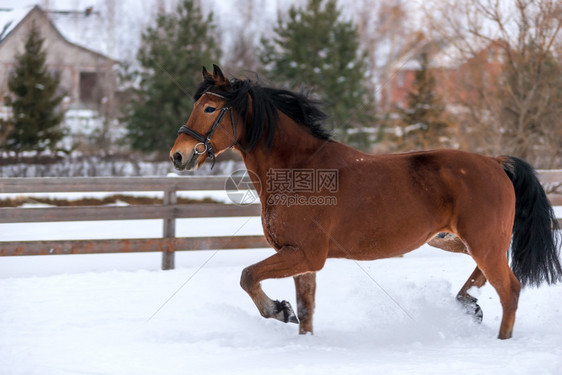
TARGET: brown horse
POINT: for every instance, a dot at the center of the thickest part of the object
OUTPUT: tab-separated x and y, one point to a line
322	199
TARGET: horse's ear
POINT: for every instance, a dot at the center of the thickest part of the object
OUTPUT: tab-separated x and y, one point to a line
219	77
217	72
206	73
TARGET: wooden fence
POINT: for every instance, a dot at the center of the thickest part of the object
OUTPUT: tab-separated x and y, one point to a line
169	210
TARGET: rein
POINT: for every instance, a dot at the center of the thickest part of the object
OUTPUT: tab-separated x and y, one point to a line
205	140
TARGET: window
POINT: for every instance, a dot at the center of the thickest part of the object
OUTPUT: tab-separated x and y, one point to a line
400	79
491	55
89	87
501	56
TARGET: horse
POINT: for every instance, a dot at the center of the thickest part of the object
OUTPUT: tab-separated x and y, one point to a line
323	199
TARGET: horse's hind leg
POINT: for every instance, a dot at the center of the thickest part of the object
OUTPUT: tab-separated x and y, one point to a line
448	242
489	252
508	287
305	285
452	243
476	279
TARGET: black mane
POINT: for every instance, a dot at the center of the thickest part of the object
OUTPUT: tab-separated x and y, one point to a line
265	103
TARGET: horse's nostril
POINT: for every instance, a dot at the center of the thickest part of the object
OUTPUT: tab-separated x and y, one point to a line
177	157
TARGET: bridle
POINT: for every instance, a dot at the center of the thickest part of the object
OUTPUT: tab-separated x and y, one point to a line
205	140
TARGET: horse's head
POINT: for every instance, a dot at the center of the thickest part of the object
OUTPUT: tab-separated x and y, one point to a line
243	114
210	129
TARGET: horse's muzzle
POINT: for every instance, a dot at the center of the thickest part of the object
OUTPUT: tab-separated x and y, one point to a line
184	162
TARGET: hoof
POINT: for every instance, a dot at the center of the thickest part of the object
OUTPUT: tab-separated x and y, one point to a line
471	307
475	311
284	312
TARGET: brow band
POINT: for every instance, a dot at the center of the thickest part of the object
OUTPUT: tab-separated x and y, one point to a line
214	94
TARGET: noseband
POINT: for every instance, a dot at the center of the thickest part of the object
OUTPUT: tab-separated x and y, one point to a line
205	140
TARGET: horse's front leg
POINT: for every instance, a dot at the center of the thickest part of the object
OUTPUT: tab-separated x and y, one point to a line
288	261
305	286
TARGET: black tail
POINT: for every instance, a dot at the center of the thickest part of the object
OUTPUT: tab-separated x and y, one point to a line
534	244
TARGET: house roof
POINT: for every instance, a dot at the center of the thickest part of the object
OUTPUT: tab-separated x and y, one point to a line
445	54
442	56
81	29
9	19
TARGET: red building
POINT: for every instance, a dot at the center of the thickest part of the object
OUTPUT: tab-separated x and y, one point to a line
456	78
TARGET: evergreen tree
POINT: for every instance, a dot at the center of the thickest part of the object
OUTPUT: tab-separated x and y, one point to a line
317	49
171	55
423	122
35	125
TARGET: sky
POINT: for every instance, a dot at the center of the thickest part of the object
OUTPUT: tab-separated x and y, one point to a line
61	4
226	5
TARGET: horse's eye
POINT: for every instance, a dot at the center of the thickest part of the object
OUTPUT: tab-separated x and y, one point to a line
210	109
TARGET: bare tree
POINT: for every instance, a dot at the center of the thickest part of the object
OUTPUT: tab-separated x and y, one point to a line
509	87
390	39
242	56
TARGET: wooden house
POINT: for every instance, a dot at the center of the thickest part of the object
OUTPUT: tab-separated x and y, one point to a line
88	77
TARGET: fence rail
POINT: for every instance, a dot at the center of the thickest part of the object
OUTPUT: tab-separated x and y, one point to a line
169	211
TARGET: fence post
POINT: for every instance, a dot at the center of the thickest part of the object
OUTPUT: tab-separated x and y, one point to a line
168	254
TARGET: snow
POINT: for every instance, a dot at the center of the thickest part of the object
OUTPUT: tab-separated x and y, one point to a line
120	314
10	19
83	121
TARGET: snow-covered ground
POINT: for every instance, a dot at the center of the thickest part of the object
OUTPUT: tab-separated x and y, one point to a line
119	314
